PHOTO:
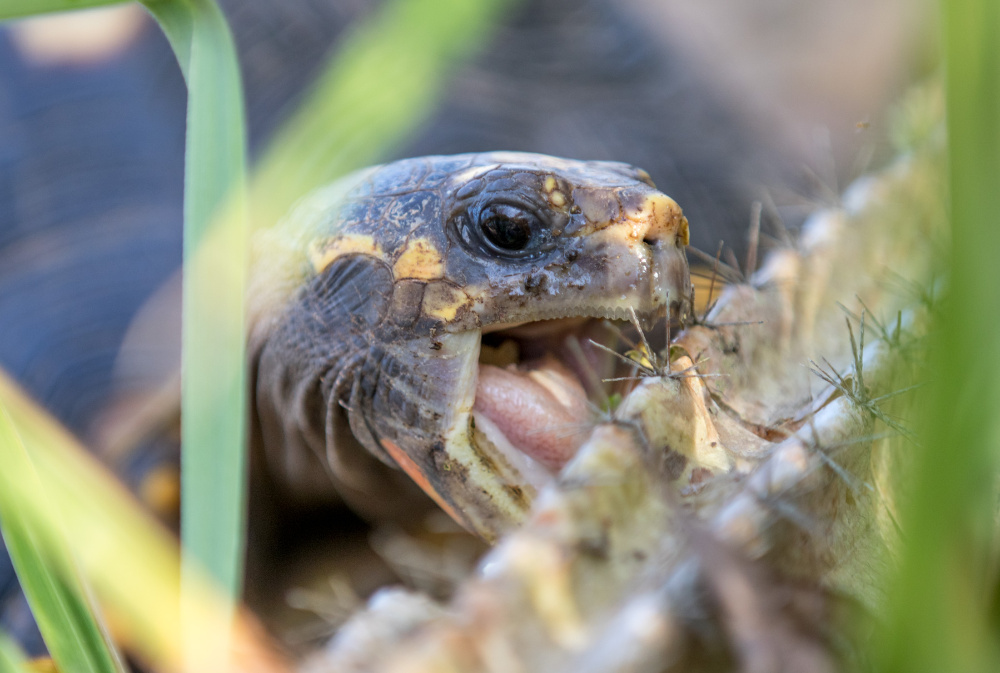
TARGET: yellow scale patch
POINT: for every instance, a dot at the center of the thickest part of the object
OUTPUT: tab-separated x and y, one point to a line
420	259
659	216
443	301
323	254
556	198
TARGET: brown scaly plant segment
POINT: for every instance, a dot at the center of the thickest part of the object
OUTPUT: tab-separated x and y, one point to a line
726	518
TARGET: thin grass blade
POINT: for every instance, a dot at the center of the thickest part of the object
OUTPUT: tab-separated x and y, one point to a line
11	657
131	561
16	9
45	567
213	406
944	610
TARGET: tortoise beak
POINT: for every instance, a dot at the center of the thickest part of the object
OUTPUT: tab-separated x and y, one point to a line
637	245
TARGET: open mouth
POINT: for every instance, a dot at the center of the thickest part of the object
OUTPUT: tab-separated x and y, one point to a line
540	386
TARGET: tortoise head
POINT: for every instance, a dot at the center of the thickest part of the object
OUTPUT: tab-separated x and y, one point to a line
399	274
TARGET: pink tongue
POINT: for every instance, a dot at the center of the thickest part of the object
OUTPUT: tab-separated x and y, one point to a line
542	412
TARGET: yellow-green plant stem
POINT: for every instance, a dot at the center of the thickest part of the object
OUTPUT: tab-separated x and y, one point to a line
11	656
213	400
214	276
943	610
16	9
127	558
46	567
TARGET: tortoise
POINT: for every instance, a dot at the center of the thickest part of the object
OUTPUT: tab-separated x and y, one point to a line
93	168
369	303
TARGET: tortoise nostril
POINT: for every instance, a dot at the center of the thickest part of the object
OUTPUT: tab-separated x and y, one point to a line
651	242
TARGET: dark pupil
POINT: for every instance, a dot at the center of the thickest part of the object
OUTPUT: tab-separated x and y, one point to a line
509	233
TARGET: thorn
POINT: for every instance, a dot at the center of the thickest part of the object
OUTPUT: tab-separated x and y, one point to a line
666	323
755	212
735	264
623	358
709	305
653	359
737	323
897	392
726	271
593	380
779	224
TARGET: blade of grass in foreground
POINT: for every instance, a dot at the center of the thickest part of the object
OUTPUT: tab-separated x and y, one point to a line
46	570
213	403
128	559
944	612
214	259
11	657
15	9
214	276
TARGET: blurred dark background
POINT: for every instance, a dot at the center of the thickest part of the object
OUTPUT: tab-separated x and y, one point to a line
724	102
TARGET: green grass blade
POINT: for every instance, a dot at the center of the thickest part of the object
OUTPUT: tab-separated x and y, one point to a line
11	656
213	404
129	559
378	88
943	611
175	18
46	570
213	401
15	9
214	253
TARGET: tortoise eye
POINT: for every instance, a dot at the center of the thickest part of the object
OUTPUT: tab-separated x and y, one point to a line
508	227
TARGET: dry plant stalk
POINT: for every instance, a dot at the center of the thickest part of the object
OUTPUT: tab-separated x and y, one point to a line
731	506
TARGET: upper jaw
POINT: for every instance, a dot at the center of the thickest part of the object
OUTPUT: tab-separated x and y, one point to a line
614	278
